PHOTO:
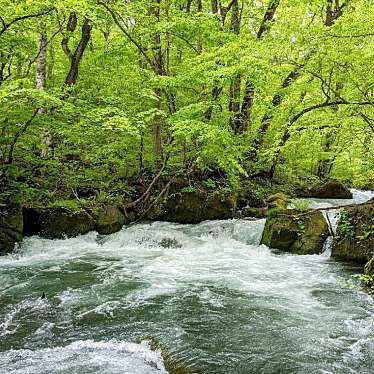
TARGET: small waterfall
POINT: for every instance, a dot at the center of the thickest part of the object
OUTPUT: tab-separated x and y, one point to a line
327	247
331	217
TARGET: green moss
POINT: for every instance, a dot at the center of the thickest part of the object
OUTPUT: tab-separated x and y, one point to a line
354	240
294	232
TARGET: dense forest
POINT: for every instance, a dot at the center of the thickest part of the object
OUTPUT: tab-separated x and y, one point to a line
97	94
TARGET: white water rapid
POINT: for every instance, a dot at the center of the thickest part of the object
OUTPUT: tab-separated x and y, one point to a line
216	300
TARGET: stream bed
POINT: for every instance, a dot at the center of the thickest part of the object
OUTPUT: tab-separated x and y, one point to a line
217	301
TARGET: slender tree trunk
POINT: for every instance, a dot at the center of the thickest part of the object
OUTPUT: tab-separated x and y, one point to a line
235	86
200	37
268	17
157	62
269	114
243	117
76	58
41	61
41	83
216	90
214	4
325	164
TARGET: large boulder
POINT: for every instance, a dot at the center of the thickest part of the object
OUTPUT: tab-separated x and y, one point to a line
194	206
11	227
109	220
292	231
329	190
354	240
56	223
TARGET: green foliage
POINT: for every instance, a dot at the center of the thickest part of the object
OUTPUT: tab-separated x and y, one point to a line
300	221
345	227
300	204
368	280
180	76
367	233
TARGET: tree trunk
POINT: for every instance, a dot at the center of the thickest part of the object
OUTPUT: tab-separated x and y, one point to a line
76	58
157	62
243	118
235	86
269	114
41	61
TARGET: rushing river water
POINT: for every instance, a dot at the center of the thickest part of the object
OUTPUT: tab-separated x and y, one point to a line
215	298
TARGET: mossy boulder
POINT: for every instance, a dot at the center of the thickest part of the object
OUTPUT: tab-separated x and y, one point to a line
278	200
194	206
109	220
254	212
11	227
56	222
354	240
328	190
292	231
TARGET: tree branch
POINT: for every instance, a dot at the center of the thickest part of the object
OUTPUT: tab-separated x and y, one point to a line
21	18
287	134
132	40
18	135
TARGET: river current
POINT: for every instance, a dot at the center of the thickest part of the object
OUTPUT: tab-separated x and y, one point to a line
216	300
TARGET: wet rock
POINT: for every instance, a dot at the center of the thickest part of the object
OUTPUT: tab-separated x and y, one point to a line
254	212
329	190
109	220
194	206
292	231
170	243
354	240
278	200
56	223
11	227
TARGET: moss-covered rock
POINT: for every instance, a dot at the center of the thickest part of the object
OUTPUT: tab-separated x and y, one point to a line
354	240
278	200
109	220
56	222
329	190
11	227
254	212
292	231
194	206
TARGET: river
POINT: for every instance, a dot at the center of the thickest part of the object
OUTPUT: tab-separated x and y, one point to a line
216	300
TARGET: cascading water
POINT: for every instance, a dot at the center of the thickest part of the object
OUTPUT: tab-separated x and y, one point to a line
217	300
332	215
